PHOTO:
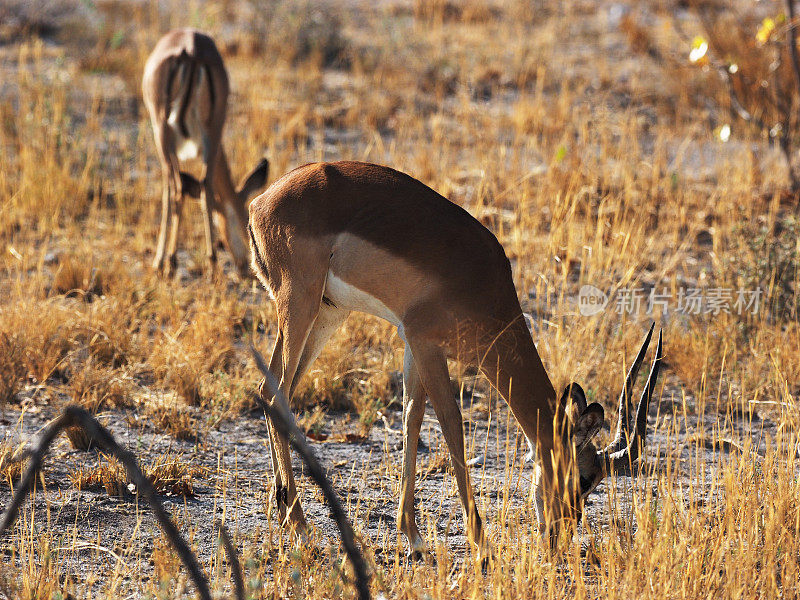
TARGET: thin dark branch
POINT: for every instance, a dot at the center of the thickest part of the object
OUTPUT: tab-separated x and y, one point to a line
737	107
233	559
791	39
279	414
76	416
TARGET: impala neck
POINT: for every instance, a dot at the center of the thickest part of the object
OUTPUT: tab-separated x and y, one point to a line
223	185
232	212
514	367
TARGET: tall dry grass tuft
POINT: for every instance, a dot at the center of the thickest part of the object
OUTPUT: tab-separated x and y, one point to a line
12	369
50	170
196	348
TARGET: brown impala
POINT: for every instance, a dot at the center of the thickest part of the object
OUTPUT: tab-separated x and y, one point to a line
185	89
331	238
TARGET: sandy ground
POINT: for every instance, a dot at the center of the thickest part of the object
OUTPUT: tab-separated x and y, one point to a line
236	485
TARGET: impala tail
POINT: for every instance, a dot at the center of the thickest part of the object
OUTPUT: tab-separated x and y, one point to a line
184	118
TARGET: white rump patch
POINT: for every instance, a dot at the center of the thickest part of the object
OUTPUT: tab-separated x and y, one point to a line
187	149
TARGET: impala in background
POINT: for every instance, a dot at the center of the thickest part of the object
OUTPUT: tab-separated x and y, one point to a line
328	239
185	88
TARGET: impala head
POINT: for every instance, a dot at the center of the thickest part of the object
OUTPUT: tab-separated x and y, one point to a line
231	213
582	423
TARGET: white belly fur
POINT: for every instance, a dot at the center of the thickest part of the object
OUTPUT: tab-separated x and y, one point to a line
349	297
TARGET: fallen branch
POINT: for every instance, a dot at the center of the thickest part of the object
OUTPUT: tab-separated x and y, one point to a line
74	416
233	558
279	414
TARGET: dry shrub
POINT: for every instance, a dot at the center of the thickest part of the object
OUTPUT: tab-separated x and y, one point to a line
78	277
229	393
433	12
42	339
745	74
353	372
173	417
172	477
44	578
40	160
95	388
300	32
44	332
113	42
438	461
20	18
114	56
10	470
166	566
319	37
201	345
312	422
640	38
169	477
12	365
109	337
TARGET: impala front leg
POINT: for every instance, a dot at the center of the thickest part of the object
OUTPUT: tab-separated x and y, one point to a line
432	366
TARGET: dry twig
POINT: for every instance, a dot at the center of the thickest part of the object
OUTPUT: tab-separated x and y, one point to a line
74	416
279	414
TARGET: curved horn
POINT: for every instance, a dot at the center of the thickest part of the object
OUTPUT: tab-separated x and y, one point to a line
626	399
637	443
621	459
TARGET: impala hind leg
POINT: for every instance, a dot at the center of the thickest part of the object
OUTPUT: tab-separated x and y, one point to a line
413	413
293	334
329	319
170	181
175	212
276	368
431	363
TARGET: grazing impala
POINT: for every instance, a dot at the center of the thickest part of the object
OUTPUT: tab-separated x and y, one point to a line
185	89
328	239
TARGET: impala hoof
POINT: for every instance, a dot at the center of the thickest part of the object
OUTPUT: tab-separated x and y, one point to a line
418	553
415	556
486	563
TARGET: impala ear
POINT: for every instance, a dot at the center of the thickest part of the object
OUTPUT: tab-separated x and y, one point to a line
574	409
254	180
588	424
190	186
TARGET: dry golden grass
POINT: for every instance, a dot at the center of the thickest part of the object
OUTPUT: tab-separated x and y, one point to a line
10	470
169	476
557	126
